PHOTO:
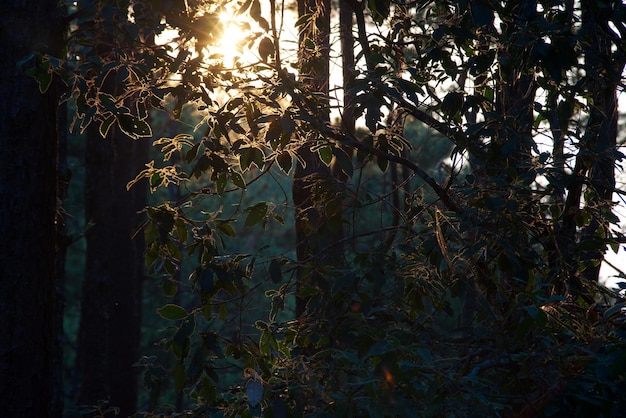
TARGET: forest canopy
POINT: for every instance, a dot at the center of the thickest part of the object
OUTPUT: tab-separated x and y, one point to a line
376	208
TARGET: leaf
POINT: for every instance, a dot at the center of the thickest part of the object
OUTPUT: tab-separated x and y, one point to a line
266	48
326	154
256	213
618	308
238	180
344	161
380	9
285	161
134	127
169	288
254	392
173	312
41	72
303	20
220	183
255	9
276	273
44	79
410	89
452	103
245	6
258	158
105	125
273	133
201	166
383	163
227	229
245	158
372	112
249	156
192	153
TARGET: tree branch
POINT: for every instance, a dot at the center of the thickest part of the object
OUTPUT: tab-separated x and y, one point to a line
442	192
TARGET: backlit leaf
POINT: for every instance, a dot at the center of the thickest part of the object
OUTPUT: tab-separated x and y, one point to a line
256	213
134	127
172	312
285	161
326	154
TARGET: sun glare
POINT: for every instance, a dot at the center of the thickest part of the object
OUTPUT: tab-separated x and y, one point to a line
230	43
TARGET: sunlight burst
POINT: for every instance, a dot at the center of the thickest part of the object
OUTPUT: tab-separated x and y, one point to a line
231	45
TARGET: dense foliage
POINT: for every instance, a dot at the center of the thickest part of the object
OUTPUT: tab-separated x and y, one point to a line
469	215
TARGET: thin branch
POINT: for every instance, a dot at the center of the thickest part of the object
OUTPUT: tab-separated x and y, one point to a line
442	192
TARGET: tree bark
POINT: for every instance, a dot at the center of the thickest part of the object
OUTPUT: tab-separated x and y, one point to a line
109	333
313	176
604	69
28	226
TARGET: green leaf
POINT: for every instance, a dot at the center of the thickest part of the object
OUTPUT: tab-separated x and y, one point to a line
303	20
105	125
249	156
134	127
172	312
227	229
285	161
245	158
220	183
169	288
238	180
326	154
41	72
256	213
181	230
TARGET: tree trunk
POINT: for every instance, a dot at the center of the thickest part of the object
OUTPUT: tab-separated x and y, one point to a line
111	314
111	303
312	179
604	69
28	204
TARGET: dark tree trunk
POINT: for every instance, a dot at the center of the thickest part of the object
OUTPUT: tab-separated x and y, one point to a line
605	70
111	303
314	178
347	63
29	385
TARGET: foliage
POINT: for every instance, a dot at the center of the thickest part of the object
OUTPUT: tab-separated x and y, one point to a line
478	294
